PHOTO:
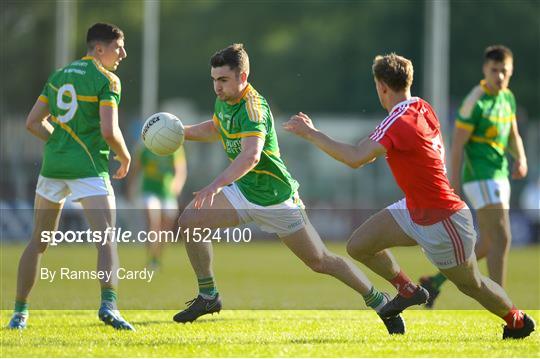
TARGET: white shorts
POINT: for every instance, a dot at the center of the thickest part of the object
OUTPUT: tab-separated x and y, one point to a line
486	192
447	243
283	218
56	190
153	202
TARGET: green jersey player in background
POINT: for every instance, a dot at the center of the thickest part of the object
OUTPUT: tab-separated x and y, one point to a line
255	187
162	180
81	100
486	130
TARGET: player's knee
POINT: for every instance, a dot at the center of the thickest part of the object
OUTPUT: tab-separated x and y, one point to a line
357	250
482	249
503	239
106	245
351	248
39	247
320	263
189	220
493	223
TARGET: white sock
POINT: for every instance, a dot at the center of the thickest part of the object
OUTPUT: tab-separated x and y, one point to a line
382	303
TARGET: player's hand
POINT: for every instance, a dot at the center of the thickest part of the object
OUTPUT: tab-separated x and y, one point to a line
301	125
519	169
123	170
207	195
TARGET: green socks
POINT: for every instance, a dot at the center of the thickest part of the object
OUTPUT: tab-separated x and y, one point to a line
437	280
207	287
375	299
109	297
21	307
154	263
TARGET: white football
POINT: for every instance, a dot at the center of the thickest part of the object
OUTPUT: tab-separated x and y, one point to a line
163	133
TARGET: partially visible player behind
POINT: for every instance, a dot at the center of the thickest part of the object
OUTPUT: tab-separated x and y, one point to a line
163	178
486	130
431	214
81	100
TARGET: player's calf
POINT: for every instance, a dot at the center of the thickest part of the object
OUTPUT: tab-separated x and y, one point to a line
323	263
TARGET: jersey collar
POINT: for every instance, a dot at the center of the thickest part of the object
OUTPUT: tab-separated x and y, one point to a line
405	102
243	94
485	87
92	58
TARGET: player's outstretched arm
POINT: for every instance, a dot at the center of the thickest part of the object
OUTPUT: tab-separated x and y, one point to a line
242	164
202	132
37	123
355	156
113	136
517	150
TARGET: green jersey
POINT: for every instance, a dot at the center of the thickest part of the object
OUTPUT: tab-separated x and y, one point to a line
76	148
489	118
158	172
269	182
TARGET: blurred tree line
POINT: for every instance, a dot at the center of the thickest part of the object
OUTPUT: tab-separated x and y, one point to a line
313	56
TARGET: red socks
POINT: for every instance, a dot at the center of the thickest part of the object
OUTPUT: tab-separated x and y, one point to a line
404	285
514	318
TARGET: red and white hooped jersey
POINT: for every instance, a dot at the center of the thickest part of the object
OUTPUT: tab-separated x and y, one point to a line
415	153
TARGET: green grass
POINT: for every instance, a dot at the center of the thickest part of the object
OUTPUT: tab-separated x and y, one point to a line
261	333
263	276
254	276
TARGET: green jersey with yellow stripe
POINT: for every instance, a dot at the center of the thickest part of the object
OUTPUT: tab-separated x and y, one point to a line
269	182
489	119
76	148
158	171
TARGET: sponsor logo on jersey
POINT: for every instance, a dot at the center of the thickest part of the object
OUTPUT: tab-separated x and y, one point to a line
233	146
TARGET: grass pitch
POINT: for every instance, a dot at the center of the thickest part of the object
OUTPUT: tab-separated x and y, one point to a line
266	333
293	314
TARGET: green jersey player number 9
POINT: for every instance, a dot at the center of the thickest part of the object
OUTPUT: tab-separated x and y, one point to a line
70	106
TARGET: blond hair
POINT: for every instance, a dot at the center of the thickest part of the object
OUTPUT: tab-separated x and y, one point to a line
394	70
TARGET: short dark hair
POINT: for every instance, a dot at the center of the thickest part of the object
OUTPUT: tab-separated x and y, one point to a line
102	32
235	56
394	70
497	53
